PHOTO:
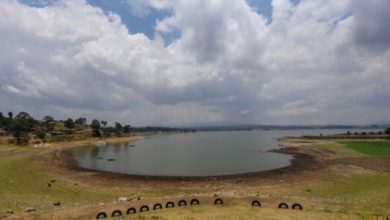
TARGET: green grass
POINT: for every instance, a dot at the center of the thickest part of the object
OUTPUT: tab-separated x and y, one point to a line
24	184
375	148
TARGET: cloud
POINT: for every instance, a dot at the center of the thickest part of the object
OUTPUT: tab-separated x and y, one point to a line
372	29
142	7
315	62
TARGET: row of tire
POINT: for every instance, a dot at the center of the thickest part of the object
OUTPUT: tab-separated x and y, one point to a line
157	206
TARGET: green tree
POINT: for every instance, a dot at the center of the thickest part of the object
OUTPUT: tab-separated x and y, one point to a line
40	134
387	131
2	119
95	128
10	115
126	129
69	123
104	123
48	123
20	126
118	127
81	121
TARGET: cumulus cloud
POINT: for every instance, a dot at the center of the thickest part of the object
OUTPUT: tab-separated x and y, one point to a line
317	61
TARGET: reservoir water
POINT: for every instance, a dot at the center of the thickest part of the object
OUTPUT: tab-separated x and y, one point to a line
193	154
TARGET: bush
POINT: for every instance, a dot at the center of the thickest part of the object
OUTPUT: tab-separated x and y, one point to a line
387	131
40	134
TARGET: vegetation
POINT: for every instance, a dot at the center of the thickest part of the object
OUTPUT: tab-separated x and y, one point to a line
95	128
69	123
376	148
25	129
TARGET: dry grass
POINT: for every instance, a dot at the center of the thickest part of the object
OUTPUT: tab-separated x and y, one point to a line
340	190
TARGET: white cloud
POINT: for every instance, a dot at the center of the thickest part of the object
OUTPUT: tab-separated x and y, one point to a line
228	64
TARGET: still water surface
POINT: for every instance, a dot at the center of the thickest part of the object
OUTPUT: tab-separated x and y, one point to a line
193	154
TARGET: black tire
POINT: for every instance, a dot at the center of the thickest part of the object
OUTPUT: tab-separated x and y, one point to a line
283	206
297	206
157	206
144	208
194	202
256	203
101	215
131	211
116	213
182	203
169	205
218	202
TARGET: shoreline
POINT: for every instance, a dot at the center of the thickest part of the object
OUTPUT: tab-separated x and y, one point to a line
301	161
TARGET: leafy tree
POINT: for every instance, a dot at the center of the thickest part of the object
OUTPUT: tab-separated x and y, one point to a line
81	121
5	122
48	118
20	126
387	131
118	127
40	134
2	119
48	123
95	128
10	115
104	123
126	128
69	123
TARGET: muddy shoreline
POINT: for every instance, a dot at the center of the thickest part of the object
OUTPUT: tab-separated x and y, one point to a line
301	161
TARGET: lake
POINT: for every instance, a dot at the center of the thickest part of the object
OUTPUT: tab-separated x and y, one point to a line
193	154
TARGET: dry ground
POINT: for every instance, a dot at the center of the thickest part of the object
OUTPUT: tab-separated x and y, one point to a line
329	180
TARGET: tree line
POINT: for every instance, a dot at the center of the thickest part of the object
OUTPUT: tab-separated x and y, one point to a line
23	127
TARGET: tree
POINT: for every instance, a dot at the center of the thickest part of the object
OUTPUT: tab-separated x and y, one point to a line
20	126
387	131
10	115
48	123
40	134
48	118
69	123
95	128
2	119
81	121
126	129
104	123
118	127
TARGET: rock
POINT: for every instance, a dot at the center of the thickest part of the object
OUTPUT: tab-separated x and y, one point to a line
123	199
111	159
49	185
53	181
56	203
10	212
215	195
30	209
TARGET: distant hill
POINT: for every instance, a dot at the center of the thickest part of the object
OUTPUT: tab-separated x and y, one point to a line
284	127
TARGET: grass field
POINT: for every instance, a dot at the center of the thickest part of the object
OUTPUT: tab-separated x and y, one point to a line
375	148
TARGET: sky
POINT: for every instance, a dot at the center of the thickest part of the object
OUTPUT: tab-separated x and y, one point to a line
181	63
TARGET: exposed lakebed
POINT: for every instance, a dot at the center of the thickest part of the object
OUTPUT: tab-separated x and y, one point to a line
192	154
